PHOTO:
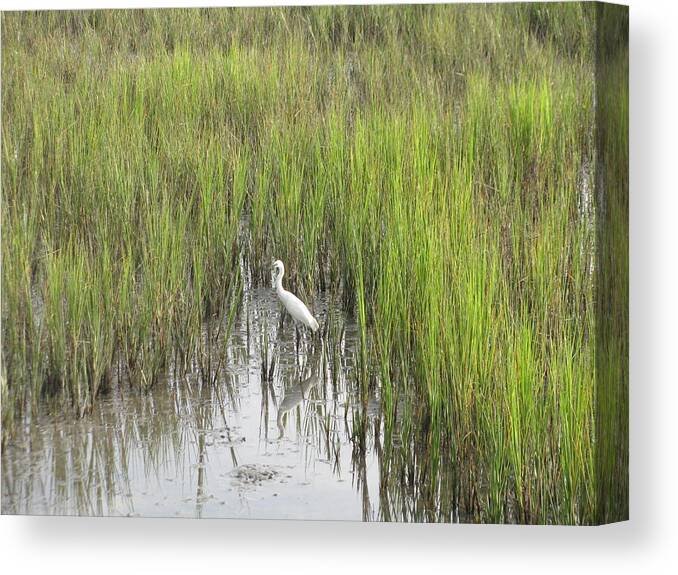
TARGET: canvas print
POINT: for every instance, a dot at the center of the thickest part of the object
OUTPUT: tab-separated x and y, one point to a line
342	262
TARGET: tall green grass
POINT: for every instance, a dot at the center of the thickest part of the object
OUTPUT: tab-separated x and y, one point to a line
426	163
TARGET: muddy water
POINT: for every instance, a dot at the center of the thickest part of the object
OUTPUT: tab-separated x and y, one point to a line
267	430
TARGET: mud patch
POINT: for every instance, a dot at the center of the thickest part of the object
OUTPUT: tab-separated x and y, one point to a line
253	474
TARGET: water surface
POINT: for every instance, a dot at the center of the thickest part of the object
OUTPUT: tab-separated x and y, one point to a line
266	431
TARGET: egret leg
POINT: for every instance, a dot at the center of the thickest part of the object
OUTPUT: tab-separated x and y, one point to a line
296	331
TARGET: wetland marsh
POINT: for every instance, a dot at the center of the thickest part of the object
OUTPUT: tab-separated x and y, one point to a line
435	180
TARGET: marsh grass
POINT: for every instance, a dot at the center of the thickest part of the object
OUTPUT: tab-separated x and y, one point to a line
424	163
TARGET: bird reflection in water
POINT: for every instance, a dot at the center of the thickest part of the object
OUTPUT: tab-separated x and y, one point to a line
293	396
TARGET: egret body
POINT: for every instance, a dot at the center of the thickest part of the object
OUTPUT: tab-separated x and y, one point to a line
294	306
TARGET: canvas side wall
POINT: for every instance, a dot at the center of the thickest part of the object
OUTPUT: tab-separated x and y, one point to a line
612	207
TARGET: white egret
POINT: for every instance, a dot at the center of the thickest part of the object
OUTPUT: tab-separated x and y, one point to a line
295	307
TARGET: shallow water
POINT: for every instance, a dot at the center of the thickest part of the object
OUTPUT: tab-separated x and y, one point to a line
227	445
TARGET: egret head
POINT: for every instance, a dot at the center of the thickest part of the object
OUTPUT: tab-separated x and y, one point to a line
278	267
